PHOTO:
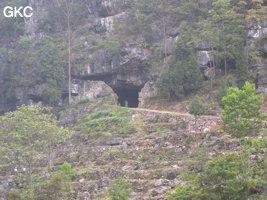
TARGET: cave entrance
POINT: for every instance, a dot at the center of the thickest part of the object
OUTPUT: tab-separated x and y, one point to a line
127	95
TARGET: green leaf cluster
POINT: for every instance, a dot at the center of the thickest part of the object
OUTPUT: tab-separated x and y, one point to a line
196	107
51	71
57	185
25	133
242	112
225	83
106	122
224	177
120	190
181	75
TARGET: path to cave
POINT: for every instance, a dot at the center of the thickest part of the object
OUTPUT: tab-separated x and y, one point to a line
171	112
178	113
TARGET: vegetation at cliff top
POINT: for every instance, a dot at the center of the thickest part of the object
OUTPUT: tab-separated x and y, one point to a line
221	24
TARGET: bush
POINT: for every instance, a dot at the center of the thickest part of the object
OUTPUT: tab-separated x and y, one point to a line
227	82
242	112
84	100
196	107
105	122
225	177
120	190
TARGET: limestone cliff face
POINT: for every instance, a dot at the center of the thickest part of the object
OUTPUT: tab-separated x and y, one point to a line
128	67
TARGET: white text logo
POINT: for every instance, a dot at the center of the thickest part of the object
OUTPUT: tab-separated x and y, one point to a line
14	12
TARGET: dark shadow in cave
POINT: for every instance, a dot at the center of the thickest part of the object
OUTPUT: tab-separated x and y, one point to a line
129	95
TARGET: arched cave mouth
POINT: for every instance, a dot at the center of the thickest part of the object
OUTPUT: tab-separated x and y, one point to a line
127	95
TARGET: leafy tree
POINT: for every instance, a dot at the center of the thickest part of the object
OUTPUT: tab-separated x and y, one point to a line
52	190
171	80
69	173
57	185
27	132
228	27
181	74
67	15
196	107
187	193
242	111
256	14
51	71
224	177
227	82
120	190
241	60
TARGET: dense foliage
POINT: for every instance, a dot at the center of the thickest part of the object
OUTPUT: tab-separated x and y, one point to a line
120	190
196	107
181	73
242	112
26	133
233	176
106	122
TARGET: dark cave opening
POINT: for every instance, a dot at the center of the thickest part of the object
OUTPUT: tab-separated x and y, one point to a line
127	95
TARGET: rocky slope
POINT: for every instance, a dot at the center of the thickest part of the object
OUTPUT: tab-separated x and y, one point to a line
151	156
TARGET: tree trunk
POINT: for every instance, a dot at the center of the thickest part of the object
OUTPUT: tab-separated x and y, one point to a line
225	67
165	39
69	57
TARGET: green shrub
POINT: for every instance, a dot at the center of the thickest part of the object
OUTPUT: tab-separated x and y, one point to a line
233	176
106	122
53	189
120	190
196	107
242	113
13	195
83	100
227	82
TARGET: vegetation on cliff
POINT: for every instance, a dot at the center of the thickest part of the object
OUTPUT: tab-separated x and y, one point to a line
154	153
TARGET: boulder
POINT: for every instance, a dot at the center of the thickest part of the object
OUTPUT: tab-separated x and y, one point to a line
204	58
114	141
158	183
159	191
171	175
94	90
265	47
150	89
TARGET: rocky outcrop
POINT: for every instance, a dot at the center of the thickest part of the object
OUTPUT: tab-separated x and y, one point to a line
150	89
92	90
205	59
120	65
97	93
126	68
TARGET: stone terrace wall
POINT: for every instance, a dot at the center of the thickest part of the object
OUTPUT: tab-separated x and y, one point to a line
189	123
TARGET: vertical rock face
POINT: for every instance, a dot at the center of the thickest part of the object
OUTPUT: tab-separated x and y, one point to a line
40	8
150	89
127	67
92	90
205	59
124	66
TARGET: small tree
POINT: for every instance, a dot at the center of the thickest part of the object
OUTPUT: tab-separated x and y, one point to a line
242	111
58	185
227	82
196	107
120	190
27	132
